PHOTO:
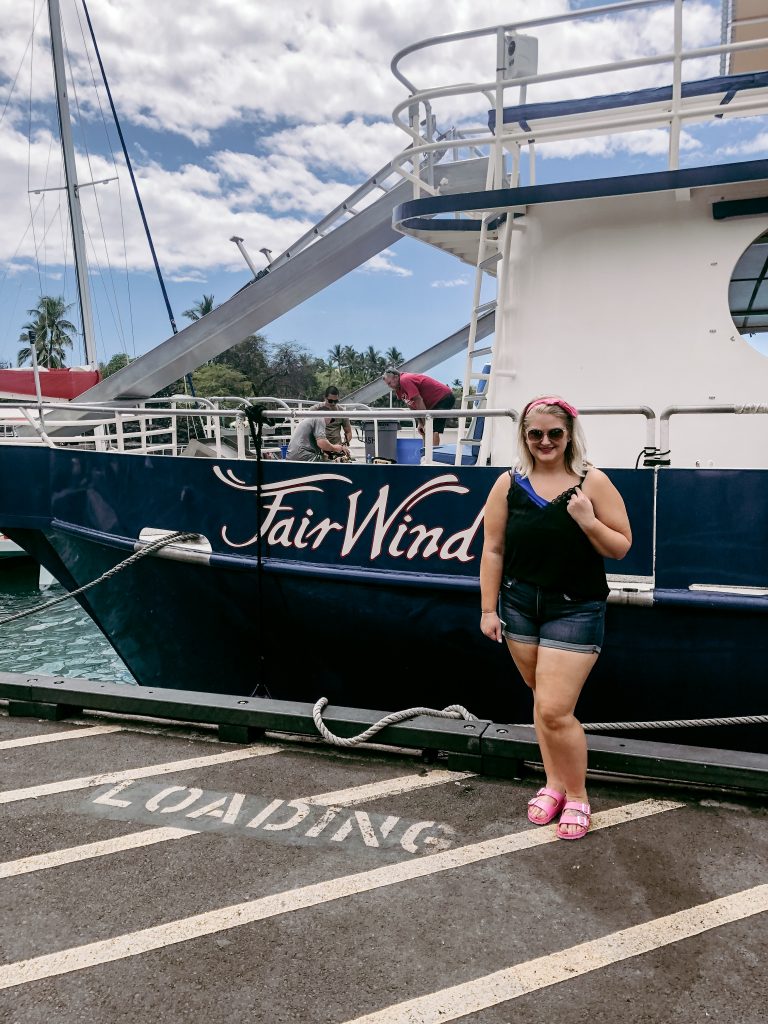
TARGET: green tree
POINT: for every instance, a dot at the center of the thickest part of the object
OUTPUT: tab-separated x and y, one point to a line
50	331
292	372
200	308
373	361
115	363
394	356
349	357
336	357
215	379
250	357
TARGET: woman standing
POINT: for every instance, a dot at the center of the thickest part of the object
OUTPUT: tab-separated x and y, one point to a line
548	526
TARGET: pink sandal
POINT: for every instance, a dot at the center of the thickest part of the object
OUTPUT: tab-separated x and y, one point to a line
574	813
549	811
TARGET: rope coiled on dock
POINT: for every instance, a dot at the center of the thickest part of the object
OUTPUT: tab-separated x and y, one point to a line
148	549
455	711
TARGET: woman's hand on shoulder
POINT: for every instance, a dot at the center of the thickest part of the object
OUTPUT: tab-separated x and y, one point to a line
580	508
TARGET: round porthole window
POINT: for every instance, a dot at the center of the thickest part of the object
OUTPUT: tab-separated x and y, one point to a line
748	294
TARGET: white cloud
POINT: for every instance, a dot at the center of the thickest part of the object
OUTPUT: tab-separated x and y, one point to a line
455	282
749	147
355	147
384	264
648	142
312	85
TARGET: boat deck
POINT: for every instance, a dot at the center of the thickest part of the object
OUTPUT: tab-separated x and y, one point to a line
151	872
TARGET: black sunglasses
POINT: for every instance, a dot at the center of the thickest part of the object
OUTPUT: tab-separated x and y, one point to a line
537	435
332	401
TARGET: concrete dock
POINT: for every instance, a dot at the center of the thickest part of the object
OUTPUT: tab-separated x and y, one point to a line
150	872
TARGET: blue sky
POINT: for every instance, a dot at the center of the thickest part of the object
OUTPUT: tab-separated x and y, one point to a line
242	121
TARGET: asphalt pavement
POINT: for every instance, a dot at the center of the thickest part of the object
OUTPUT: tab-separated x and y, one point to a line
150	872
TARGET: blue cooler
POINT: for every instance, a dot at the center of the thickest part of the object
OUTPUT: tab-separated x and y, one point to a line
409	451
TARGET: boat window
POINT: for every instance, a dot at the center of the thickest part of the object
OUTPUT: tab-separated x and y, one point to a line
748	294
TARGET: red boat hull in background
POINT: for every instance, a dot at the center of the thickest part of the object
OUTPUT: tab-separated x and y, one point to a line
64	384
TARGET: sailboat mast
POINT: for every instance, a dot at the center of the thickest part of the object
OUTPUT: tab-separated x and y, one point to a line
75	214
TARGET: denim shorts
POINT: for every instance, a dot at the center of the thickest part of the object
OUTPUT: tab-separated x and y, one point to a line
546	618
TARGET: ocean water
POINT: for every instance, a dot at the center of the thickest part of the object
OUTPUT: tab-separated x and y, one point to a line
58	641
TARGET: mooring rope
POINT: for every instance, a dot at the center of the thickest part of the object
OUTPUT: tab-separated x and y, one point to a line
684	723
456	711
149	549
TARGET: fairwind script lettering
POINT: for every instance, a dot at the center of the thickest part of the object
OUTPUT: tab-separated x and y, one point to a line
389	528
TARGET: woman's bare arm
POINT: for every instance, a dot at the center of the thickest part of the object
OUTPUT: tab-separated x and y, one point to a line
599	510
492	561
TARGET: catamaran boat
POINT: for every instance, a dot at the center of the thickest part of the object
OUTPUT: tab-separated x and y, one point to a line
639	297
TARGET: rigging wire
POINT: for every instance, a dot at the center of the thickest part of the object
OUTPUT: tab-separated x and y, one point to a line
21	64
29	141
114	311
119	193
127	274
115	319
130	170
129	165
44	197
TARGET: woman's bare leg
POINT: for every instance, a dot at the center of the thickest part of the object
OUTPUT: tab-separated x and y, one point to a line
525	657
560	676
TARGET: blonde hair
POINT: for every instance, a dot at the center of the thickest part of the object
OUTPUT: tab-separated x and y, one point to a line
575	456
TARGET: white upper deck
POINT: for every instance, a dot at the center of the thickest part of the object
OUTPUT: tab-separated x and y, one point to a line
629	290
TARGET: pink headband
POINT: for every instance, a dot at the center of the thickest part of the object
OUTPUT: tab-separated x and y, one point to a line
551	400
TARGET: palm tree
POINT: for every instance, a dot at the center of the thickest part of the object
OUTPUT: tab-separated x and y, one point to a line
373	361
393	356
49	331
200	308
349	356
336	356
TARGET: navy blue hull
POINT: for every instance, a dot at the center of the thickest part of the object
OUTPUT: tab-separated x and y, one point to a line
390	618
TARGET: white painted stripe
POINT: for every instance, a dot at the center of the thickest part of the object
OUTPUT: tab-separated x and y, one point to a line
338	798
54	737
482	993
389	787
144	772
212	921
132	841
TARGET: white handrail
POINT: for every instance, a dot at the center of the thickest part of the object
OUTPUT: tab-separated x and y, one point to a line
673	114
702	410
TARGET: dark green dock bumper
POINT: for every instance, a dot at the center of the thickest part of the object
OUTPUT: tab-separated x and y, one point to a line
484	747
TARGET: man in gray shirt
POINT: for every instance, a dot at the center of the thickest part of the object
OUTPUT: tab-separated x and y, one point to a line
309	441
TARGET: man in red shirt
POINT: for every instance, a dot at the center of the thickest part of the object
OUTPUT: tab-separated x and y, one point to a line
421	392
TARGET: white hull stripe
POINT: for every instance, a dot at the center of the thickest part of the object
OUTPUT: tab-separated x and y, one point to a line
482	993
147	771
148	837
208	923
54	737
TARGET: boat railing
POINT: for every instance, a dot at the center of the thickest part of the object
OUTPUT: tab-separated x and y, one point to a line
649	449
415	117
160	429
700	410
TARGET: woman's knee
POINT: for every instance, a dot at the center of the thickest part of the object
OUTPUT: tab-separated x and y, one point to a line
553	715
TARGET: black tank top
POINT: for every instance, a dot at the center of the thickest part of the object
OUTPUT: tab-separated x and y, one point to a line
548	548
